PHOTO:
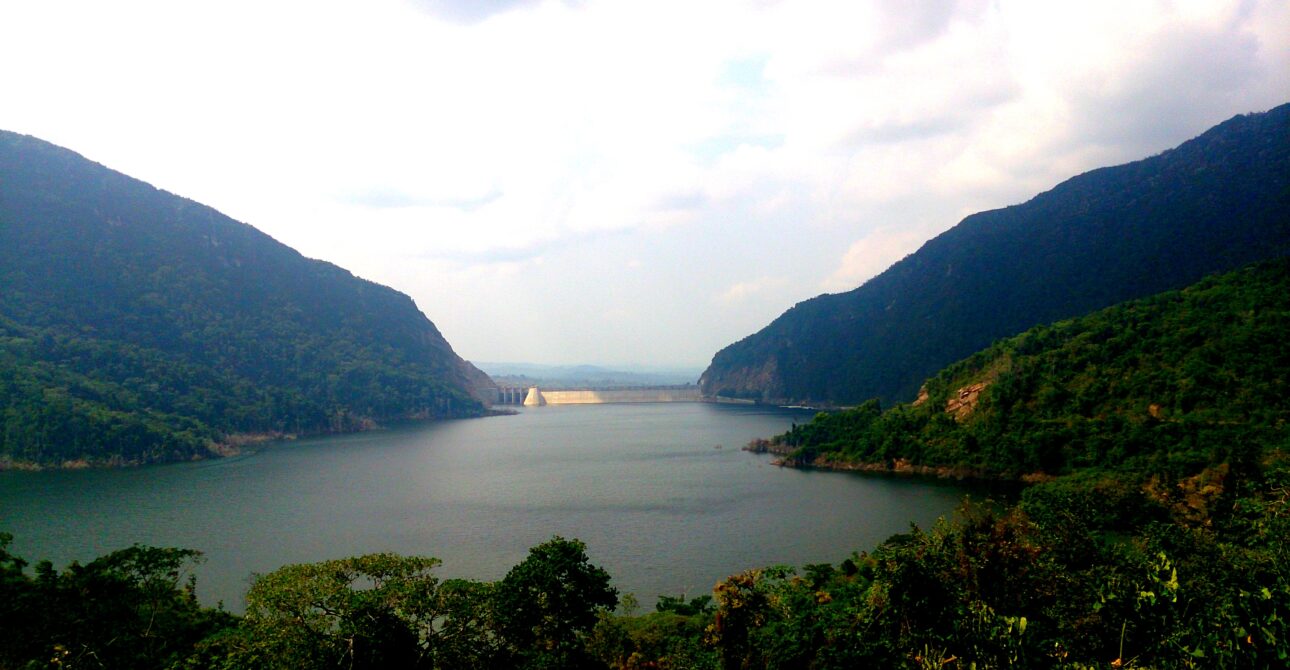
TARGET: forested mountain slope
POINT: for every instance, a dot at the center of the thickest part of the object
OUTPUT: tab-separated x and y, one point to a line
1177	382
1214	203
139	326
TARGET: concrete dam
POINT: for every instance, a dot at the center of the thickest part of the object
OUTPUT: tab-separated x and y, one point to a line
536	397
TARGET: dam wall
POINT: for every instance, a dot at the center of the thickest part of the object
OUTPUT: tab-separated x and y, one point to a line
536	397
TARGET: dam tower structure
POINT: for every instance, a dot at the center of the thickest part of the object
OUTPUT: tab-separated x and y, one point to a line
534	398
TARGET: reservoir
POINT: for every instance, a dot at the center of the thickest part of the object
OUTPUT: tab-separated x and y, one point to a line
662	495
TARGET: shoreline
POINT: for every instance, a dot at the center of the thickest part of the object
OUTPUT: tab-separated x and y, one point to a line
898	467
229	446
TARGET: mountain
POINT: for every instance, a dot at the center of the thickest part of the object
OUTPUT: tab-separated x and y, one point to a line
139	326
1214	203
1189	378
585	376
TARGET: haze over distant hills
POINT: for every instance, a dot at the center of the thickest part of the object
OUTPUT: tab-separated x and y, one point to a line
139	326
586	376
1214	203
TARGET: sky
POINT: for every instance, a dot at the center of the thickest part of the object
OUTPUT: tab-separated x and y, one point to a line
624	183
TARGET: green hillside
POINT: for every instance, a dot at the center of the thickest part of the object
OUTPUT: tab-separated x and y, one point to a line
1212	204
1179	380
137	326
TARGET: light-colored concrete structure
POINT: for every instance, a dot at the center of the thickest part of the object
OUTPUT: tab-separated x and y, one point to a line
534	398
590	397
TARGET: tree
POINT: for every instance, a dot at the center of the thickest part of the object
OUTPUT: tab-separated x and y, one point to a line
547	604
371	611
133	608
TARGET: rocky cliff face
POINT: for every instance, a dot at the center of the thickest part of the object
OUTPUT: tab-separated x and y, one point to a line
762	383
1212	204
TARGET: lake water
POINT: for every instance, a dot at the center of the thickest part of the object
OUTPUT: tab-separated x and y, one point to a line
661	493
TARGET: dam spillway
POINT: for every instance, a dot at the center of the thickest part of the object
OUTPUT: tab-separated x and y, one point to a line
594	397
535	397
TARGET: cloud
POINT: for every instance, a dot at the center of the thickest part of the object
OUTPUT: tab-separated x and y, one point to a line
883	31
391	198
907	24
1179	79
886	132
683	201
523	251
619	314
871	255
748	290
470	12
711	148
747	73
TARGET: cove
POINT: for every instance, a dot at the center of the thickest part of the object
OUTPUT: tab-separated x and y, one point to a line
661	493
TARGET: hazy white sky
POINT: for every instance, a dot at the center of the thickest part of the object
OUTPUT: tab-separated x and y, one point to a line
624	182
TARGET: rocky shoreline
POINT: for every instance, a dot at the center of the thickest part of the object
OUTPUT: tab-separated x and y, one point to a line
899	466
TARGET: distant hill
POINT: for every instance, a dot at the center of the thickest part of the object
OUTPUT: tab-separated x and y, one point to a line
1181	380
585	376
139	326
1214	203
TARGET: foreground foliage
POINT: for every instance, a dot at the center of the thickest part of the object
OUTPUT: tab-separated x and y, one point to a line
1099	570
1034	586
133	608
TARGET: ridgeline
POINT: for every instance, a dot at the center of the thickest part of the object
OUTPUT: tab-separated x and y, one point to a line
1214	203
1178	381
137	326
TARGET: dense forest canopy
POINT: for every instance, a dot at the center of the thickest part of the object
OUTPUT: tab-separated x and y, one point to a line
1212	204
1180	379
138	326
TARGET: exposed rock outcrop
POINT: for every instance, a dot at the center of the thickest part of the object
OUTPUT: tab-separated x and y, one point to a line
964	400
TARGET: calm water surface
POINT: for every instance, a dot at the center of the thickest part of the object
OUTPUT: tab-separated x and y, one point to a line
662	495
